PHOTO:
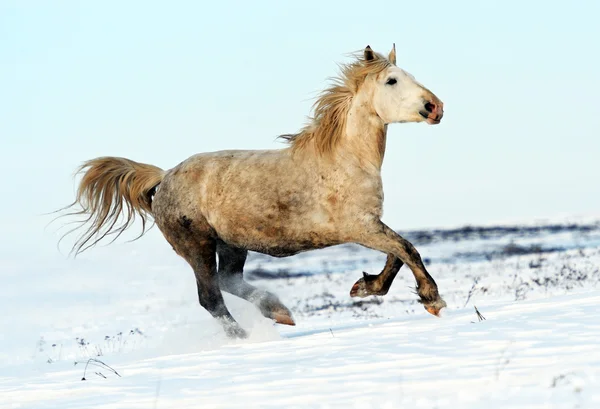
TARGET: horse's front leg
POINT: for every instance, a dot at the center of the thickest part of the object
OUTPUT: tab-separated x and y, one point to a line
379	284
380	237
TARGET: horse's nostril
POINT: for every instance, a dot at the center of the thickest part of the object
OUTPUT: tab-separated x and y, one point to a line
429	107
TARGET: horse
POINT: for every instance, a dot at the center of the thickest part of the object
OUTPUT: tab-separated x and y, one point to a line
324	188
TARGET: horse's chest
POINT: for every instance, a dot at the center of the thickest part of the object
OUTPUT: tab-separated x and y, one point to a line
360	195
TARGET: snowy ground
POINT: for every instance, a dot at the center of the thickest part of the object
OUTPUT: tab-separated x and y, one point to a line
133	307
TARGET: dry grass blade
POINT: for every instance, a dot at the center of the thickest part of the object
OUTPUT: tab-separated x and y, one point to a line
472	290
479	316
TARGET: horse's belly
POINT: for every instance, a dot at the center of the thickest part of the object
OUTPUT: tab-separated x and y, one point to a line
286	249
278	238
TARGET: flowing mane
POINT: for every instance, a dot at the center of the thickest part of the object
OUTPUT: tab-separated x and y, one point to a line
328	123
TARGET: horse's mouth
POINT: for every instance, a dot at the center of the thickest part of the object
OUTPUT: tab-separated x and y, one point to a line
430	118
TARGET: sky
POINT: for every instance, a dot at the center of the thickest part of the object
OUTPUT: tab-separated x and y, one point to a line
159	82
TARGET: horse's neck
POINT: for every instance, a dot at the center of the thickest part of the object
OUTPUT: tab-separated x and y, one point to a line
365	136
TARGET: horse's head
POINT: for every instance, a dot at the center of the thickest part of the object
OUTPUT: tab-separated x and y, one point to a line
398	97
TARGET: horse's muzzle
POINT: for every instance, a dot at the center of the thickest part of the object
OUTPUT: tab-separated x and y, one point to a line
433	111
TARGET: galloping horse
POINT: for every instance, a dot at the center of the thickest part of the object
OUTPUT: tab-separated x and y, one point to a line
323	189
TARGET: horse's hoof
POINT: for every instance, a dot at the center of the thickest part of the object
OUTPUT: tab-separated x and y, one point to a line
436	307
359	289
235	331
271	307
433	310
364	286
282	318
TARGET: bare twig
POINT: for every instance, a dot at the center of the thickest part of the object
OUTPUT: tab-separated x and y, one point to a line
99	363
472	290
479	316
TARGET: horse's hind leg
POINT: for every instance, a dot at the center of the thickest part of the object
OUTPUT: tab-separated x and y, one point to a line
209	293
378	284
200	252
231	267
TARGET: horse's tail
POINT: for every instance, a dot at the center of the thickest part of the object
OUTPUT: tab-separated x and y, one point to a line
112	188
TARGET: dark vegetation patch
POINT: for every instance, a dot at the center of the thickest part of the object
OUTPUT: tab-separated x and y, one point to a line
568	278
360	308
421	237
508	250
262	274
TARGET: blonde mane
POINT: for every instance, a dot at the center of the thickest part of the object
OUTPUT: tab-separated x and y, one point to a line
328	123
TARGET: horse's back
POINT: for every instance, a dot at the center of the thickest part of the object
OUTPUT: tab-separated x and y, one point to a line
261	200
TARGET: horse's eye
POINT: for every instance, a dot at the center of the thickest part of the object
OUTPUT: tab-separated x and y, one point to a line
391	81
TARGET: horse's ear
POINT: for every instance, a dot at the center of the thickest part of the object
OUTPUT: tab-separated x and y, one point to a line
392	56
369	54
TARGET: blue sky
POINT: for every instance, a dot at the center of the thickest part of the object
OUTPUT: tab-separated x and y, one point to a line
158	82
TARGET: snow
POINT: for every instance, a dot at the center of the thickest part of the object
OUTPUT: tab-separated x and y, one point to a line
133	306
